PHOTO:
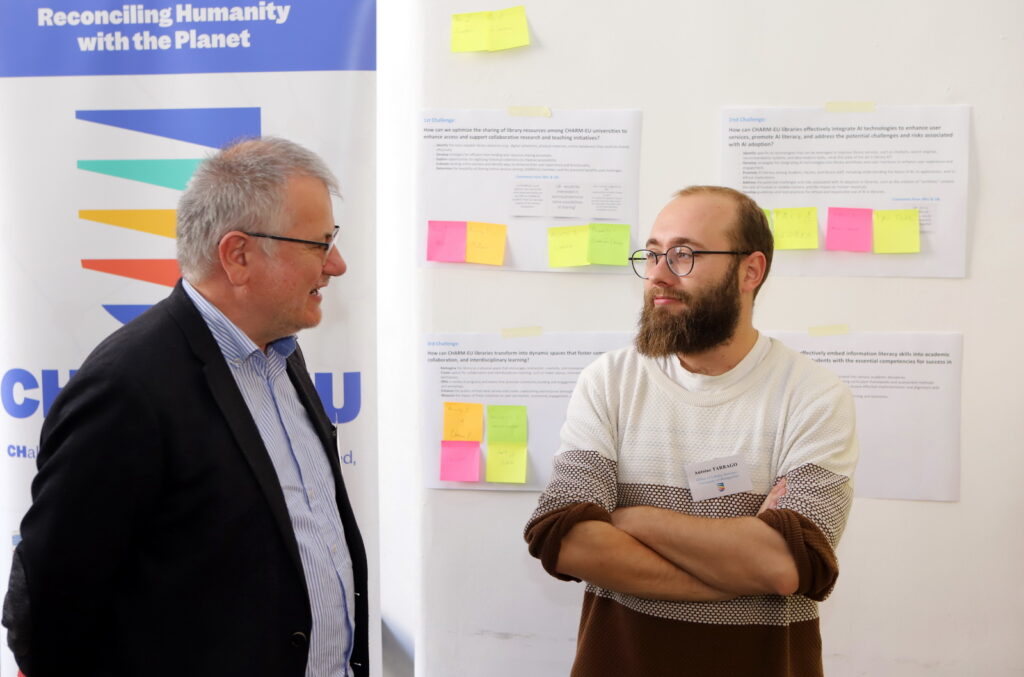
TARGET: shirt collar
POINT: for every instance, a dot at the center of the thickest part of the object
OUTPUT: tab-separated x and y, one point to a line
234	344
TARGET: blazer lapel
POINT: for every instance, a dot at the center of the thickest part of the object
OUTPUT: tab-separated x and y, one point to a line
236	413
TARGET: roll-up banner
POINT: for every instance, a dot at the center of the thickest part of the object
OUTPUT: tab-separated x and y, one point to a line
106	108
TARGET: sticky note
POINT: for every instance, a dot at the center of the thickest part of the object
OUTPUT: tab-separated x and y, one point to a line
490	31
460	461
506	423
608	244
446	241
568	246
506	462
529	111
767	215
897	231
795	227
850	106
485	243
849	229
521	332
463	421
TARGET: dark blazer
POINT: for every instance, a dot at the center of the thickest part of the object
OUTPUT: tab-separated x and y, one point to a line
158	541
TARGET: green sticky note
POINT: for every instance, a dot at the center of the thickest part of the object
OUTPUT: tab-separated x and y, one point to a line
896	231
490	31
506	423
568	246
506	462
795	227
609	244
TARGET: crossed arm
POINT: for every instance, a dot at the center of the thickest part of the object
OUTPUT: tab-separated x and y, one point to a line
663	554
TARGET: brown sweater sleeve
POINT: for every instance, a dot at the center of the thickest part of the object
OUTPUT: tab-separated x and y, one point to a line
816	562
545	533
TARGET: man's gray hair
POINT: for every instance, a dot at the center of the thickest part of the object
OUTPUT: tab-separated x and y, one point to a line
241	187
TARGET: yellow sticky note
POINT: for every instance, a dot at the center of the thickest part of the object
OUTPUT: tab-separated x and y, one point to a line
463	421
897	231
795	227
506	462
485	243
609	244
490	31
568	246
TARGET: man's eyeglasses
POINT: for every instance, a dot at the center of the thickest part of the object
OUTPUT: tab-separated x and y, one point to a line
680	260
326	246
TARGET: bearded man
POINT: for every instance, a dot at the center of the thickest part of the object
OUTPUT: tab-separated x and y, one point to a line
704	475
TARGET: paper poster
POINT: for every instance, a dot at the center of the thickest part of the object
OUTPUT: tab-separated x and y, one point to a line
906	388
530	176
510	392
891	159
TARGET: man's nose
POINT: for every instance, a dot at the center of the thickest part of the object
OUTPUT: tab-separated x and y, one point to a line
335	264
660	274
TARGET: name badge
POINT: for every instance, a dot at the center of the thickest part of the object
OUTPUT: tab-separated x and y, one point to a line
718	477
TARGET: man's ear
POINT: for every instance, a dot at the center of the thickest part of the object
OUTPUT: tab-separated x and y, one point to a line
752	271
235	251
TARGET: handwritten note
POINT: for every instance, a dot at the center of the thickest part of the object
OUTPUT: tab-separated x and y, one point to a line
506	423
460	461
490	31
897	231
795	227
485	243
608	244
568	246
849	229
463	421
506	462
446	241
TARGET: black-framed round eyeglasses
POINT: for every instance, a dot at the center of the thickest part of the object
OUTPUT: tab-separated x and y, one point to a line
680	260
327	246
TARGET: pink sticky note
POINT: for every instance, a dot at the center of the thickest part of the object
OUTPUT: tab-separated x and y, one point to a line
460	461
446	241
849	230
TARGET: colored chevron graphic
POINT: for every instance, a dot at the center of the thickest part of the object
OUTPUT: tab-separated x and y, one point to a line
213	127
166	173
125	313
153	221
157	271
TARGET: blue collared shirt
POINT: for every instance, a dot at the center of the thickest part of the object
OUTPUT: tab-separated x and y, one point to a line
305	474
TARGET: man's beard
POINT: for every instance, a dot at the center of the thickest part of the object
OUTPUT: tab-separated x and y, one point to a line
708	320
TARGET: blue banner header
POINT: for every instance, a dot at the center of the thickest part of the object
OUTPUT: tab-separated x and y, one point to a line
105	37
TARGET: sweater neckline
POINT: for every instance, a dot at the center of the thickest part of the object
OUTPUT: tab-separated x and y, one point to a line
668	372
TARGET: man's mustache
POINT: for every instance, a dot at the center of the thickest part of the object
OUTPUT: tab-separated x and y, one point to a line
677	294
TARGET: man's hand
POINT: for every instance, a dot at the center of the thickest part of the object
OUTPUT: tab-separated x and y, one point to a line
738	555
771	501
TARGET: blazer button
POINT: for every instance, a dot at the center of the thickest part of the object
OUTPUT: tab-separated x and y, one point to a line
298	639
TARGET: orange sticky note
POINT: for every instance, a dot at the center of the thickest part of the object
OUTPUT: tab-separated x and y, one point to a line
485	243
463	421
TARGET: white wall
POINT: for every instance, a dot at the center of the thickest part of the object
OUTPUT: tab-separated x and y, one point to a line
926	588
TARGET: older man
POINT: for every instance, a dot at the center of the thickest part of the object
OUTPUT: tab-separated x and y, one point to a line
704	475
189	515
